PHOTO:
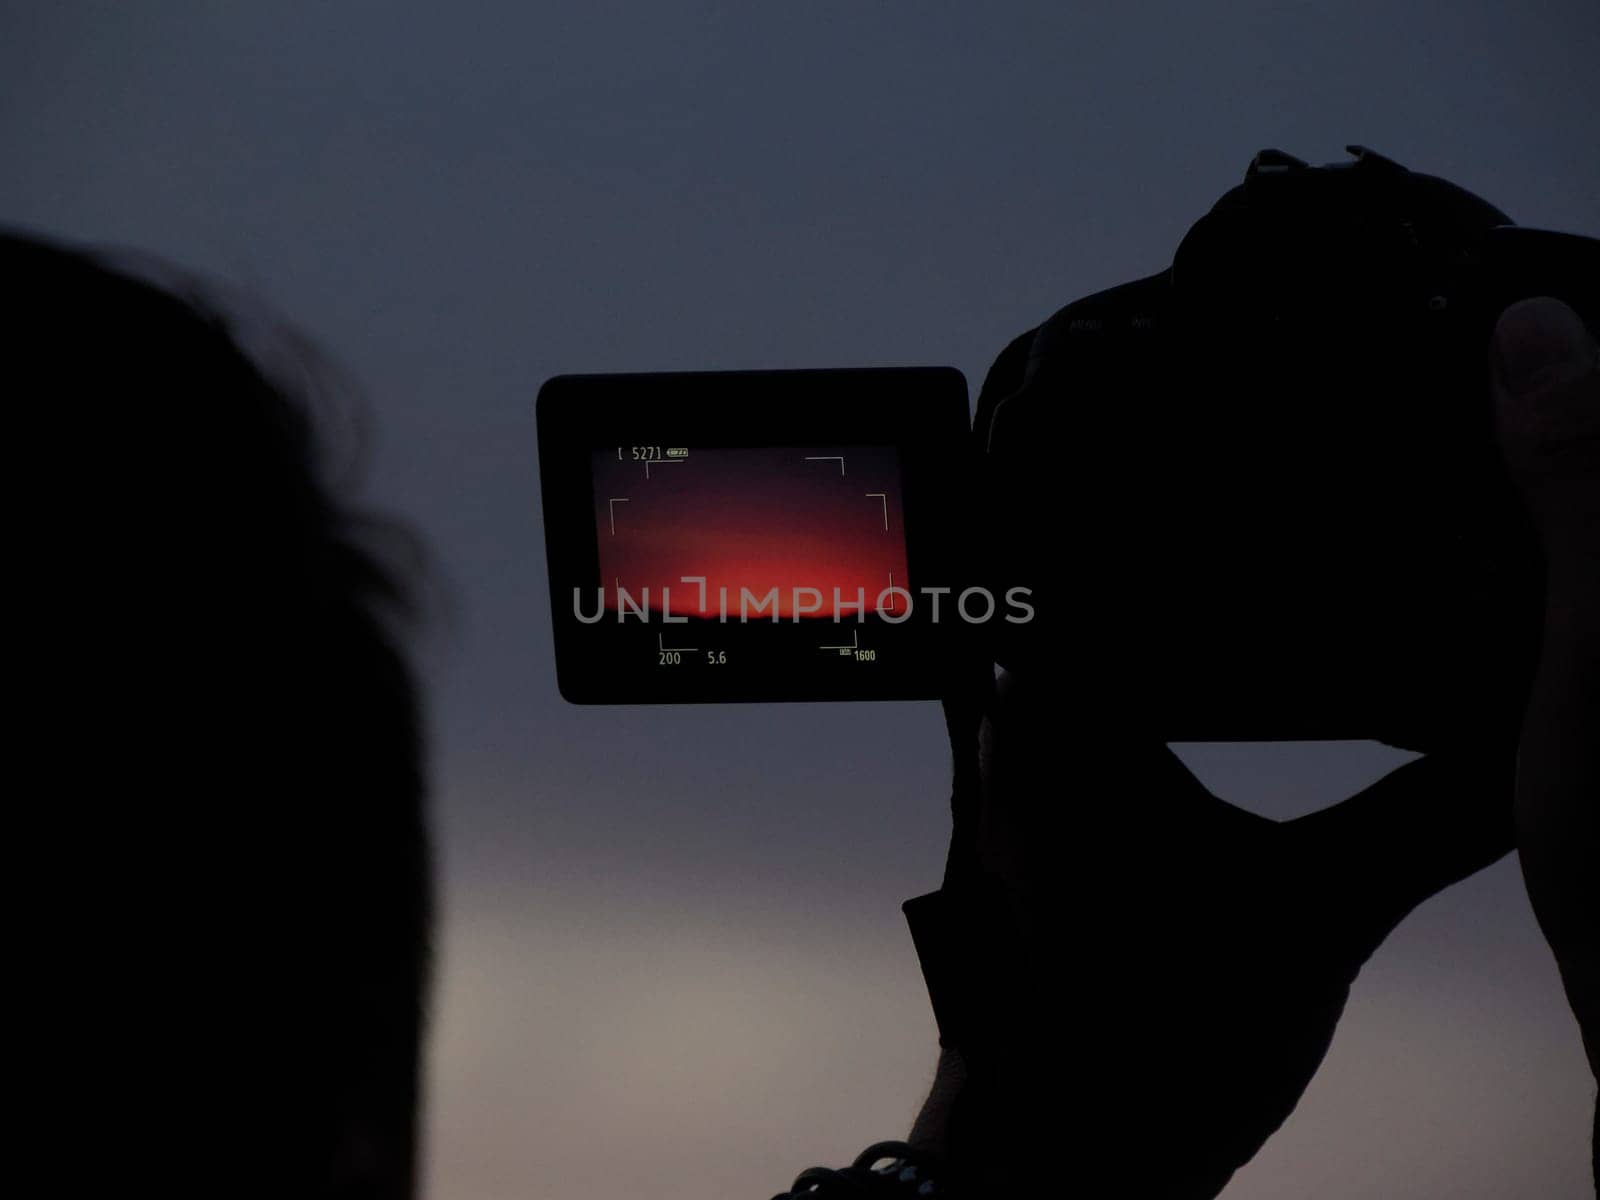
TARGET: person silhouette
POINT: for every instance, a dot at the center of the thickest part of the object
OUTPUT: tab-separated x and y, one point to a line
228	739
1160	973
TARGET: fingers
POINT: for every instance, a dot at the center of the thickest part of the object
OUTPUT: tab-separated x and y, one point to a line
1547	419
1538	343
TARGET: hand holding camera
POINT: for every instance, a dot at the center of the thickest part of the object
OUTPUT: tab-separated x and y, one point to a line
1161	972
1275	491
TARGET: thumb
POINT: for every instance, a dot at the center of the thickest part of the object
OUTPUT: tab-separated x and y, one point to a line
1540	342
1547	393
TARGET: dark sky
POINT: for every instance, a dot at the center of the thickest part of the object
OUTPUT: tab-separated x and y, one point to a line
673	963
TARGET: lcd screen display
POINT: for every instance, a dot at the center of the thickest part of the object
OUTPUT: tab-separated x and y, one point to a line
782	533
758	535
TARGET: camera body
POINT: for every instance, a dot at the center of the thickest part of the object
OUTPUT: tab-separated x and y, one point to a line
1258	495
1254	496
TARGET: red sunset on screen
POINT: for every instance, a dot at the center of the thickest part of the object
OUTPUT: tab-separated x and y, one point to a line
764	518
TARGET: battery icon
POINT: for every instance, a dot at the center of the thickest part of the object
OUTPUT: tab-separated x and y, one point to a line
677	452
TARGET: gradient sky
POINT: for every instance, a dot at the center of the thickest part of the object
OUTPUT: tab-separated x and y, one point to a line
672	958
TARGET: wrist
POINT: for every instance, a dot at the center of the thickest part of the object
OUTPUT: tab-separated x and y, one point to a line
931	1129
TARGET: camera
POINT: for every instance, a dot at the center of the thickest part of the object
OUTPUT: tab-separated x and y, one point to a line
1254	496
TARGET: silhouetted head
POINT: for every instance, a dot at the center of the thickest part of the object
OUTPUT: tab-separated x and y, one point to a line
229	749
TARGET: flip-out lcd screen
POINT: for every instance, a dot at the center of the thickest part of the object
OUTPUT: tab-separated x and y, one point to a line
752	535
